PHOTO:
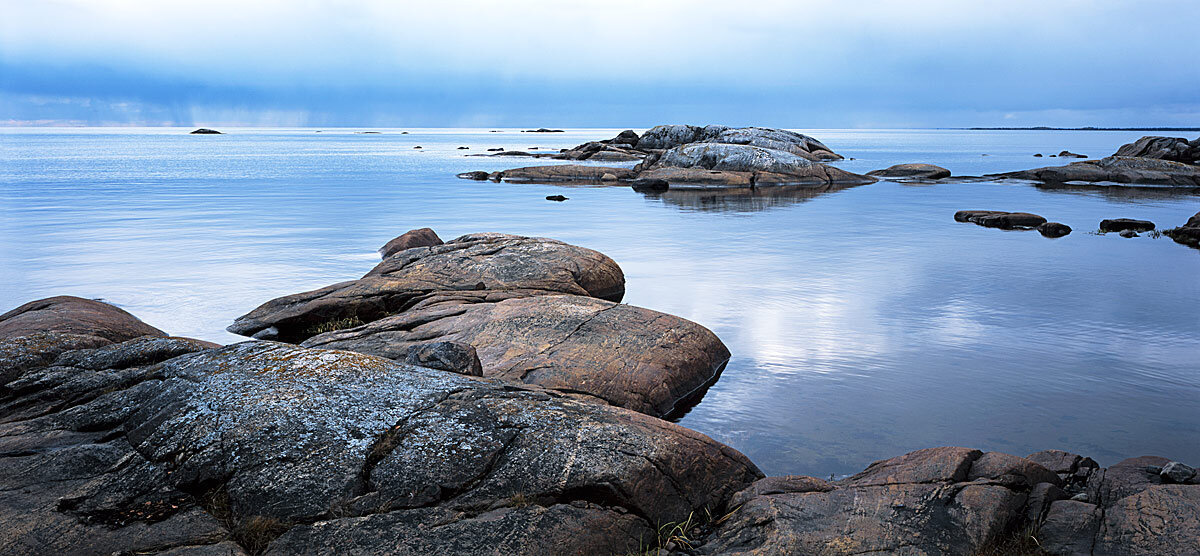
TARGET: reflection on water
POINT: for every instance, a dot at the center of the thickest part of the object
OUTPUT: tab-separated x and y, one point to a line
740	199
863	322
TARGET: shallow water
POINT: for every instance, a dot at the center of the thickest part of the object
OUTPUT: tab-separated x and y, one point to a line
863	323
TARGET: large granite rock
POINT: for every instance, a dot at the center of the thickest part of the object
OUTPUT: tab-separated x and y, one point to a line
753	163
628	356
1115	169
502	265
1177	149
662	137
421	237
165	445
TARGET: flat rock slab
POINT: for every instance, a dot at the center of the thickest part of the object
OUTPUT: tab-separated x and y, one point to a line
160	444
917	171
564	173
497	263
1000	219
1115	169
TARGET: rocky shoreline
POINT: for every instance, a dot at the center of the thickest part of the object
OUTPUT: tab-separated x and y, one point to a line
483	395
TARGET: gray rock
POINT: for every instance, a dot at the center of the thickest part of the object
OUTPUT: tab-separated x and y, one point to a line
1070	528
1121	224
918	171
1188	234
205	131
750	160
1176	149
1176	472
669	136
564	173
1069	154
1127	233
650	185
477	175
1115	169
455	357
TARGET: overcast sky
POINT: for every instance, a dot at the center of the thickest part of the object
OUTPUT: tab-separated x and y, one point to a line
616	63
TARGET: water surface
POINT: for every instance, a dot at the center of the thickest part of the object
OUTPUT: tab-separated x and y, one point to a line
863	323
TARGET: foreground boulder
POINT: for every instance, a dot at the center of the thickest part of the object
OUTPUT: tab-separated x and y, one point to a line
1176	149
1115	169
628	356
962	501
74	315
163	444
917	171
422	237
500	265
534	310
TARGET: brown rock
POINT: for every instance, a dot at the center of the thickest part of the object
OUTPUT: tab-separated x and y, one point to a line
1054	229
564	173
1011	471
1070	528
786	484
1000	219
421	237
922	466
1163	519
74	315
1116	169
628	356
1057	461
1177	149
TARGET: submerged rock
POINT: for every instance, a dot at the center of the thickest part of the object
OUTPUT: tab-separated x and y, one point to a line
421	237
1116	169
921	171
542	130
1122	224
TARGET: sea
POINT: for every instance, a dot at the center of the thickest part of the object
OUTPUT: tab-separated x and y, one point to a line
864	323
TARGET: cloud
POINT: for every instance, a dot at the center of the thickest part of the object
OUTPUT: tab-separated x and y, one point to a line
457	60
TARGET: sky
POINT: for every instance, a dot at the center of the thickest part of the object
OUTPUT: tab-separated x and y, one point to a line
534	63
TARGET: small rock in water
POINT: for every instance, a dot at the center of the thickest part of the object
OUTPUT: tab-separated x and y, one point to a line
479	175
1038	155
417	147
1054	229
608	177
206	131
1069	154
403	133
497	149
1128	233
463	148
1177	472
650	185
1121	224
421	237
559	198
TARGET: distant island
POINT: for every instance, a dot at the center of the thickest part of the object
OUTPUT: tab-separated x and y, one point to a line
1044	128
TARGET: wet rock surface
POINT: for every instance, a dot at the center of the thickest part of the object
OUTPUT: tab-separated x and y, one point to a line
1000	219
1122	224
1054	229
1188	234
161	443
917	171
1115	169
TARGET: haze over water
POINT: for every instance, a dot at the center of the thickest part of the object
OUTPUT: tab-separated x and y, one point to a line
863	323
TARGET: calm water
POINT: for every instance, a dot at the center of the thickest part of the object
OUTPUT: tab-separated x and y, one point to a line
863	323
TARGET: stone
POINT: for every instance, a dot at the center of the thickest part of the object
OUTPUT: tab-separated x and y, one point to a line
1011	471
497	149
1115	169
1161	519
650	185
750	159
1038	155
1069	154
1176	149
455	357
564	173
205	131
972	215
1188	234
775	139
922	466
542	130
285	449
1127	233
1054	229
558	198
625	355
1000	219
1041	496
463	148
1121	224
420	237
1057	461
780	485
76	316
608	177
917	171
1176	472
506	265
478	175
668	136
1070	528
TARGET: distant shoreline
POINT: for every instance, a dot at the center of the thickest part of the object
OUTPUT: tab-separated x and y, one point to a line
1043	128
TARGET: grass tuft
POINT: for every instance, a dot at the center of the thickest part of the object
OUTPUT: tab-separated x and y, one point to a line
1021	543
333	325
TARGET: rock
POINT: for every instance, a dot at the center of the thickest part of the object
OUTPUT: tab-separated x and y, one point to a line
1176	472
1057	461
421	237
697	177
779	485
1121	224
1115	169
1054	229
1041	496
608	177
627	137
1011	471
542	130
497	149
558	198
1038	155
505	264
477	175
287	449
74	316
1176	149
775	139
1000	219
463	148
920	171
455	357
1157	520
749	160
628	356
1069	154
1070	528
1127	234
205	131
417	147
564	173
914	504
1188	234
613	156
650	185
668	136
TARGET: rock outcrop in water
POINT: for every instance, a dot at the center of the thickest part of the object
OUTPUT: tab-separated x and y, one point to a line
537	311
913	171
1000	219
682	155
1168	161
205	131
117	439
1187	234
